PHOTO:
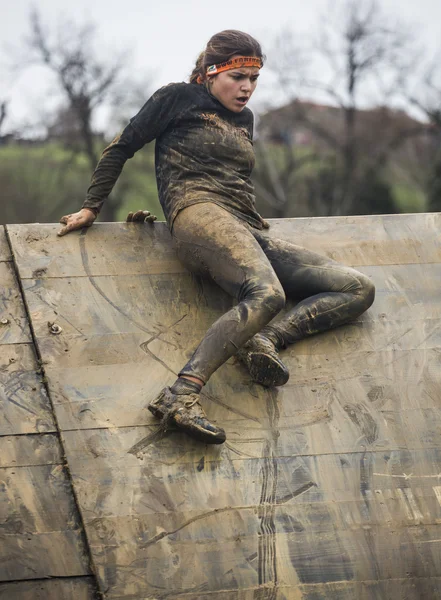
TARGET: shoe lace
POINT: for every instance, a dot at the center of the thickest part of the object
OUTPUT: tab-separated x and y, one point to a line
194	399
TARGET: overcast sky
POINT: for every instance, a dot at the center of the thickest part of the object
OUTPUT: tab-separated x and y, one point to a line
166	36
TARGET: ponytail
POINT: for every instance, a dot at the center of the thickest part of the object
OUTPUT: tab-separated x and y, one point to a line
198	68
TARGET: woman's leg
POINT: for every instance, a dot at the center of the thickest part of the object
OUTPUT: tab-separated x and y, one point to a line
212	242
331	294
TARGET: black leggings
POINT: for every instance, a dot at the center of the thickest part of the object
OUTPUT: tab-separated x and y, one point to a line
258	271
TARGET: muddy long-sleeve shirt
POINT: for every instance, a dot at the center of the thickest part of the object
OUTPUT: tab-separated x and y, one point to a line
204	153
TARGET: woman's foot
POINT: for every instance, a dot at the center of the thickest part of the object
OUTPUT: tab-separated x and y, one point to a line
260	357
186	412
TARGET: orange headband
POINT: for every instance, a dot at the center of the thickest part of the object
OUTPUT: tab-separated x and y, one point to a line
233	63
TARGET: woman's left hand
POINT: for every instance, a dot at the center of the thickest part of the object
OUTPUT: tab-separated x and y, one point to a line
140	216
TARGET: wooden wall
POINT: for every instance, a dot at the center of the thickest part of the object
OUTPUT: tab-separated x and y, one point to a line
329	487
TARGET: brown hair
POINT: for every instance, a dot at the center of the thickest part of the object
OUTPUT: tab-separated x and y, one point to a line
221	47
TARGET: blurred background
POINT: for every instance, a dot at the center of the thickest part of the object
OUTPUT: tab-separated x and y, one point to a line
348	106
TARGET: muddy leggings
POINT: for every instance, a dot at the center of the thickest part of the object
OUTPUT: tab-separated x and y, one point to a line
260	272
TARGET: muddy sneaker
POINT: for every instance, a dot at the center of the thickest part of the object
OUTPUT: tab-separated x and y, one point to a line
260	357
186	412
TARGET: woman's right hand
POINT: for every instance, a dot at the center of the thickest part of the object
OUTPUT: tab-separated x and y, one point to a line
83	218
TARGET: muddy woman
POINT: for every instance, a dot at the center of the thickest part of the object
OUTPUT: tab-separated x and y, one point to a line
204	158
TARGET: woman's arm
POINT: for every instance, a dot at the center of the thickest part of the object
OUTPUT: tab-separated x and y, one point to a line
151	121
110	166
103	180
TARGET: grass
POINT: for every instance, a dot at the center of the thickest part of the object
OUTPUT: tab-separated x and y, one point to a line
408	199
41	182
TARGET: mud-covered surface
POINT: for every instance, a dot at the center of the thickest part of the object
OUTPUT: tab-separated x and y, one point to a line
326	488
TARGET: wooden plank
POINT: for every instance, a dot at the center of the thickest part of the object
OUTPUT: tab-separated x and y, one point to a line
367	240
396	589
40	555
188	484
102	309
5	253
356	241
30	450
25	405
79	351
40	533
404	292
312	431
37	499
14	328
323	388
120	304
267	557
55	589
177	328
38	250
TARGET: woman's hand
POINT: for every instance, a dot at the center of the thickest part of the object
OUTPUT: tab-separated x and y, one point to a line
140	216
83	218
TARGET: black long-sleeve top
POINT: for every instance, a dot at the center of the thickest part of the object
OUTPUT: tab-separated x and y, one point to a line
204	153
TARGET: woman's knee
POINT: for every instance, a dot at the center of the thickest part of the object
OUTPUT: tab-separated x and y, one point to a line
366	292
272	297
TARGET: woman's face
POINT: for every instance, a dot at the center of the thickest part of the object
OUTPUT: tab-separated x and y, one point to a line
234	88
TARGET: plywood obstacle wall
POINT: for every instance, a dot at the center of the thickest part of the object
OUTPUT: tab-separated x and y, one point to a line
43	551
329	487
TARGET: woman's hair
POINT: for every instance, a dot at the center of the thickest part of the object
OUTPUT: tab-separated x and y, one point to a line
221	47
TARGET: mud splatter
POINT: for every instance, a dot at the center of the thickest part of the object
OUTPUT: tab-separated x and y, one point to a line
363	420
146	441
39	273
267	547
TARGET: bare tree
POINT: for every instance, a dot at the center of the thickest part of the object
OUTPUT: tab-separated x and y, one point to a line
86	81
279	165
3	113
359	54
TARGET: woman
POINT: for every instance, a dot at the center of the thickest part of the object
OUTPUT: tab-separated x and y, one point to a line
204	158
